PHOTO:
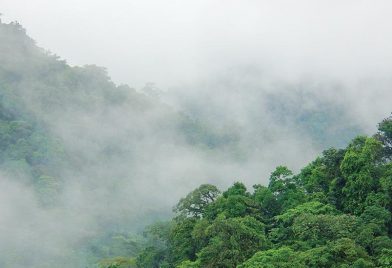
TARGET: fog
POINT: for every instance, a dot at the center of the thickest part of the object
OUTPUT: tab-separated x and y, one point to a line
169	42
251	70
172	43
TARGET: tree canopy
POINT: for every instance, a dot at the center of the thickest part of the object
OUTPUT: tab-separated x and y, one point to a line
336	212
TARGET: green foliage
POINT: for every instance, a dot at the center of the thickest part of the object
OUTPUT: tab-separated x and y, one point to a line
346	251
282	231
231	241
184	240
118	262
237	189
385	259
385	136
44	103
283	185
189	264
269	205
316	230
335	213
339	253
151	257
361	172
156	250
194	204
108	247
280	179
318	175
314	207
283	257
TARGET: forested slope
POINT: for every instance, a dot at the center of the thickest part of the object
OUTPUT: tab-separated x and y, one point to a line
336	212
50	110
91	162
73	138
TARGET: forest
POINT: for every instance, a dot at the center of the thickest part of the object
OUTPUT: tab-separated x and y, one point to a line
335	213
93	174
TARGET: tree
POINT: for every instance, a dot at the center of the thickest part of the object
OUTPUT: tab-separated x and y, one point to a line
346	252
195	203
386	189
316	230
231	241
280	179
151	257
283	257
118	262
189	264
283	185
335	213
385	136
269	205
385	259
282	232
318	175
156	251
235	202
182	245
361	173
238	188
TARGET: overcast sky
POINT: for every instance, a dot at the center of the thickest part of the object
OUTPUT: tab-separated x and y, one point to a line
171	42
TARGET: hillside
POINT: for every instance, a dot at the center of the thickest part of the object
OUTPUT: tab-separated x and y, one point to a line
336	212
86	164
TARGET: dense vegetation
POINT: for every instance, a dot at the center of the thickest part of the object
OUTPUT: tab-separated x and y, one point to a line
52	117
61	125
335	213
41	96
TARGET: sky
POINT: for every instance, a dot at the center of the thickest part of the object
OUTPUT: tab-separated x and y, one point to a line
174	42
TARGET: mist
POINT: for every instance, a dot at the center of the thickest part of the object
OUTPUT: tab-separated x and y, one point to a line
175	41
245	74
